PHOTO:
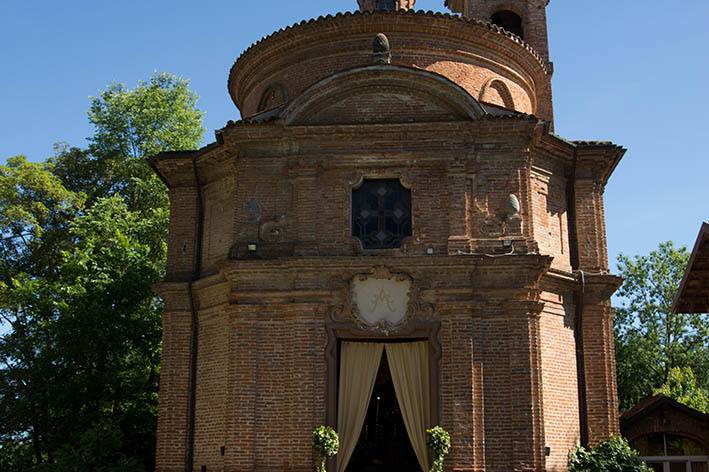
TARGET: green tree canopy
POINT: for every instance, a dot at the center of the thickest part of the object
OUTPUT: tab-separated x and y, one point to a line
682	386
651	340
82	240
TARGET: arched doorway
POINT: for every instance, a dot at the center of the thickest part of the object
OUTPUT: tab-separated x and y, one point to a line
364	452
384	445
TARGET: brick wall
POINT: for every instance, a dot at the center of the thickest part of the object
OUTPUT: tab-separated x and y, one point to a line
561	394
469	53
501	285
508	383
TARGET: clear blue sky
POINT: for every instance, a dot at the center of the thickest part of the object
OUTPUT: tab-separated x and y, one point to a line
632	71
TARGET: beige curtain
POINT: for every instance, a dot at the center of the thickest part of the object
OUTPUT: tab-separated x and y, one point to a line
359	363
408	363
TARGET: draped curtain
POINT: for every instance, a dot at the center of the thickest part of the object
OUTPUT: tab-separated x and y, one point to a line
359	363
408	363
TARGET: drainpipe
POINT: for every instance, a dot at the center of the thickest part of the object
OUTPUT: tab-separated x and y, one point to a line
578	303
194	335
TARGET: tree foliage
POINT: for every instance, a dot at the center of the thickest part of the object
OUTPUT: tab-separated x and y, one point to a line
82	238
682	386
613	455
651	340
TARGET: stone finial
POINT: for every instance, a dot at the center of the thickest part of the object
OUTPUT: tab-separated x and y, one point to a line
513	206
381	50
385	5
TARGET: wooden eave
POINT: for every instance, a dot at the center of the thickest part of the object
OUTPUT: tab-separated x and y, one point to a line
693	295
647	406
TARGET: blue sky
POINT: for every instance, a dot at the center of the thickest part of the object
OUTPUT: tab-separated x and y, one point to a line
632	71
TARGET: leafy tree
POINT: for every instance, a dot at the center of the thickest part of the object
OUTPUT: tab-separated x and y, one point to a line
651	340
682	386
130	125
613	455
82	238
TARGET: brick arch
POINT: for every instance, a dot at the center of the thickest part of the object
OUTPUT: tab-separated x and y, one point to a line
516	7
274	96
497	92
510	21
512	6
383	94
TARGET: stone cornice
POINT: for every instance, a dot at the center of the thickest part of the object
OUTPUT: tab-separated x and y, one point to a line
498	272
599	288
493	127
176	295
175	169
597	160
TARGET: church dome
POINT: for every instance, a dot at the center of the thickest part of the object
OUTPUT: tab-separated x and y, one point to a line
491	64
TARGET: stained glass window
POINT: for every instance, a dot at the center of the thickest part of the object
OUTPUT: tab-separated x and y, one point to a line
381	214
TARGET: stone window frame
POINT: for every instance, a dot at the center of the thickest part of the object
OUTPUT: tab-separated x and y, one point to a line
357	182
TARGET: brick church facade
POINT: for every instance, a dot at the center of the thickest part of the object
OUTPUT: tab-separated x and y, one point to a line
410	157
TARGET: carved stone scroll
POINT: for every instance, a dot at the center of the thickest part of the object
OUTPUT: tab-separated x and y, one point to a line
381	301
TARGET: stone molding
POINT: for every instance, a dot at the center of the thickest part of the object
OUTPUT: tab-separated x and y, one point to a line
346	309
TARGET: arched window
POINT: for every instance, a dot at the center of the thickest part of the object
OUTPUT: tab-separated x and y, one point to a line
381	214
497	93
273	97
509	21
386	5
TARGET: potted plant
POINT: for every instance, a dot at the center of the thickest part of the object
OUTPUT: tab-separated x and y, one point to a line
439	441
326	443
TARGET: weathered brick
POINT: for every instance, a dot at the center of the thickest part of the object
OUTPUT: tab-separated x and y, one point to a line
509	301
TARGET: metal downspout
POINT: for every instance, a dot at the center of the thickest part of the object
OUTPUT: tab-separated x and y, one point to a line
194	335
578	303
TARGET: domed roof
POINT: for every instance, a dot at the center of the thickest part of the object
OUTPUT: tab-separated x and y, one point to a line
490	63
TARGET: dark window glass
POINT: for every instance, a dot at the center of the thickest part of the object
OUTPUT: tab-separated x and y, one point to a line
652	445
681	446
678	467
510	21
381	214
660	444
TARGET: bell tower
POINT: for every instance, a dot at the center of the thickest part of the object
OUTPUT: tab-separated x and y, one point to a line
385	5
524	18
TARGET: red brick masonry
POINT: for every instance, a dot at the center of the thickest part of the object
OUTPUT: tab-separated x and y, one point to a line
512	313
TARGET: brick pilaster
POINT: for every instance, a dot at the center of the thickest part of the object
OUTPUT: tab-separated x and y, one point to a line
306	208
174	403
462	416
599	358
525	377
459	201
590	227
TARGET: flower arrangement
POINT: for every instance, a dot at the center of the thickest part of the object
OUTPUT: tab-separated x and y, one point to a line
326	443
439	441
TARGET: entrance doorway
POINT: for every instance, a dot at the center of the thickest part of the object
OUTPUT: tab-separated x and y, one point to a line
384	444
